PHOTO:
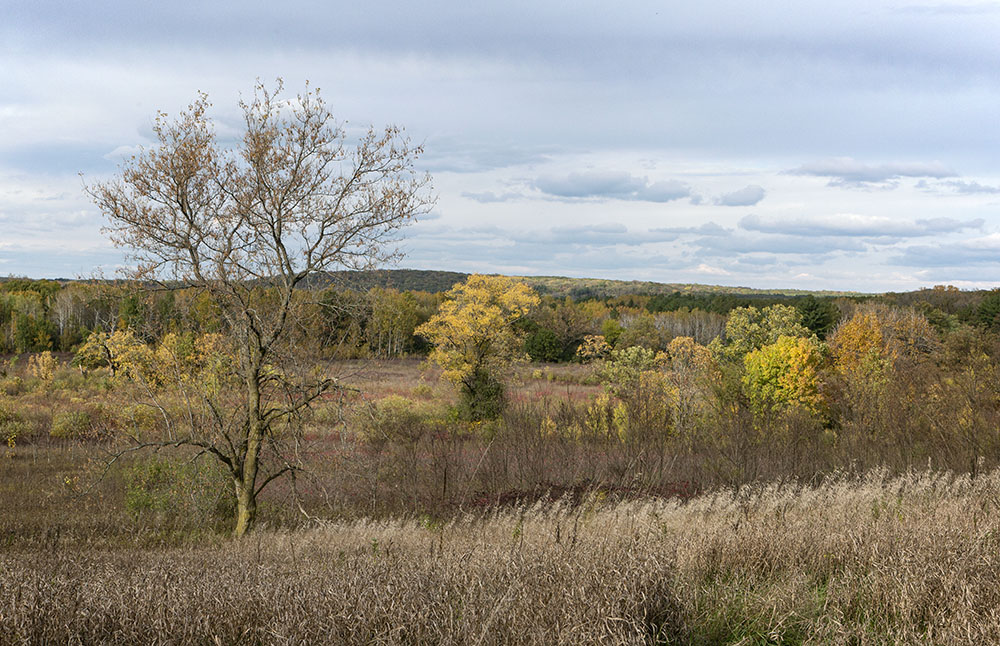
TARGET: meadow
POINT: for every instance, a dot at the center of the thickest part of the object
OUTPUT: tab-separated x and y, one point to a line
825	473
509	534
876	560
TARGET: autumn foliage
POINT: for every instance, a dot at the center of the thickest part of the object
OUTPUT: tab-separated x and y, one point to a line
474	339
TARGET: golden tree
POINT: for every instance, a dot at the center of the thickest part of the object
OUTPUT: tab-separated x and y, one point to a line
247	226
784	374
876	339
694	375
475	341
749	329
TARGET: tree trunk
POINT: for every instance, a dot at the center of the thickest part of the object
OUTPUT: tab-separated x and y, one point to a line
246	481
246	509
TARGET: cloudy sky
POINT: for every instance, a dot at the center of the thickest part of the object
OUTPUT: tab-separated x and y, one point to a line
840	145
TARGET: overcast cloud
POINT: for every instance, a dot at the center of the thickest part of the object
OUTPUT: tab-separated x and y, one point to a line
762	144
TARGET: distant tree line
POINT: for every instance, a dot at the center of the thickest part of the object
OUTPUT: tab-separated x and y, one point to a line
381	322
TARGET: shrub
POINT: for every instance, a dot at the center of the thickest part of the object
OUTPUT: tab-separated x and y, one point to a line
483	397
593	348
189	491
43	366
398	419
11	426
69	380
423	390
70	424
12	386
543	345
138	418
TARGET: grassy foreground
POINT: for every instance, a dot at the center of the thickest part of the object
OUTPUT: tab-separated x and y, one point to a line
881	560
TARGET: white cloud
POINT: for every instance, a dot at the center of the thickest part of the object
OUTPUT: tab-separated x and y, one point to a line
712	271
489	197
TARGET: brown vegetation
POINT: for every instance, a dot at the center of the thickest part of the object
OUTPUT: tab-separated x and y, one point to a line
877	560
623	501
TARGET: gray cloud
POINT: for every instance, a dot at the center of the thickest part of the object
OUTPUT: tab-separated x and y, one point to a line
975	251
618	185
747	196
489	197
507	90
970	188
554	239
598	235
449	154
707	229
852	225
776	244
845	171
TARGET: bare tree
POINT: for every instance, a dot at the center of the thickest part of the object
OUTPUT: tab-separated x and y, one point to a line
248	225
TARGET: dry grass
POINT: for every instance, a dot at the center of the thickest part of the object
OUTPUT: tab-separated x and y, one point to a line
912	559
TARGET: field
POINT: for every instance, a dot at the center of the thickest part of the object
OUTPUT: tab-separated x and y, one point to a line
878	560
502	534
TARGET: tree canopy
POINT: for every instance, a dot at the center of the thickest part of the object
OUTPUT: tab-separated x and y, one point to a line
246	226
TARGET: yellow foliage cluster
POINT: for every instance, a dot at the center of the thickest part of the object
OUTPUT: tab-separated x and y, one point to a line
784	374
645	399
607	417
473	331
43	366
593	348
121	351
857	339
877	338
687	355
749	329
181	358
178	359
693	374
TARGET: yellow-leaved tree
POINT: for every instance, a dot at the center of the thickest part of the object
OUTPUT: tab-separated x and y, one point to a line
122	352
876	339
875	353
784	374
475	340
694	375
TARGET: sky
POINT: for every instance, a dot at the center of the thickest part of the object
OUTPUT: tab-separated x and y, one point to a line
820	145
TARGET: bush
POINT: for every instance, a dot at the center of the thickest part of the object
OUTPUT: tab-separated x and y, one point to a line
69	380
43	366
543	345
398	419
70	424
12	386
12	426
188	491
11	429
137	419
423	390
